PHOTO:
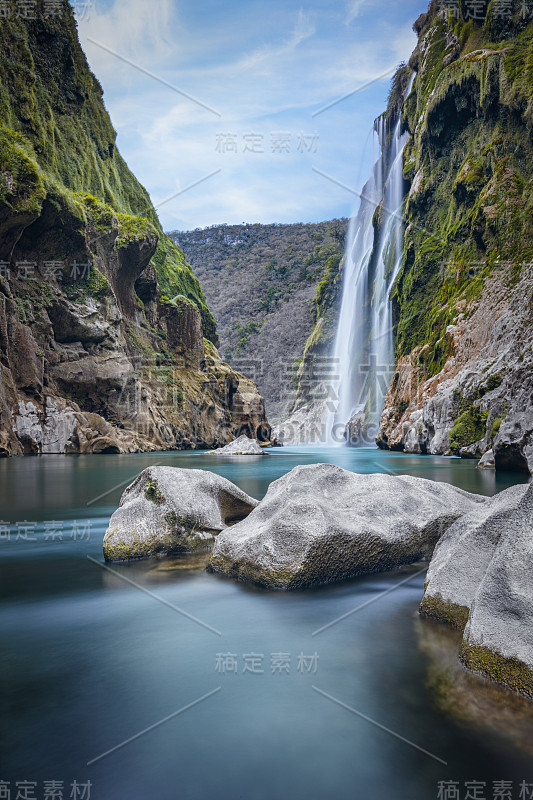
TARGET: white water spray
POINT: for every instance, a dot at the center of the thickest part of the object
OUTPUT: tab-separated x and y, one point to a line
364	345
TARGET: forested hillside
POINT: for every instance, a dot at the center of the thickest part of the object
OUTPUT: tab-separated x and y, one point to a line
262	283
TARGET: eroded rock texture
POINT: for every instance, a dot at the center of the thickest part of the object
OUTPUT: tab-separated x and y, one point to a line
320	524
106	341
169	510
479	581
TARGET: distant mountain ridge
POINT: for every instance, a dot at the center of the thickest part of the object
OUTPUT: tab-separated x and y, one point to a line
261	284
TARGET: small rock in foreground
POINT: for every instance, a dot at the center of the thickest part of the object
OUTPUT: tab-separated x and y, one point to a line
172	510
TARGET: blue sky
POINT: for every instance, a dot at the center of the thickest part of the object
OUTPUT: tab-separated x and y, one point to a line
255	75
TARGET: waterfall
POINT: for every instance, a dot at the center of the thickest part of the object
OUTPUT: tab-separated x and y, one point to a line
364	345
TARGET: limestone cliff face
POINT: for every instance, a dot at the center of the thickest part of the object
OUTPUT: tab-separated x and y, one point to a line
89	366
463	300
94	355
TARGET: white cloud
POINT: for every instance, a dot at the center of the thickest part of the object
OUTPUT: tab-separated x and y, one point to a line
304	28
134	28
352	12
266	74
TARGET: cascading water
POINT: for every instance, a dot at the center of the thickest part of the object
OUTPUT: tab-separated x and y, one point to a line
364	344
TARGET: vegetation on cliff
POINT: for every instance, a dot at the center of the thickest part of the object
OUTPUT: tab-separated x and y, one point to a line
268	285
56	138
463	296
462	300
106	340
469	163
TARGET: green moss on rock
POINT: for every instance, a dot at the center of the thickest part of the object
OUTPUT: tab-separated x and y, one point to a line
508	671
56	136
443	611
496	423
152	493
21	180
133	229
469	116
469	427
494	381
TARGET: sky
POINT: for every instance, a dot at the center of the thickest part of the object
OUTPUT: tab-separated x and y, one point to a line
245	111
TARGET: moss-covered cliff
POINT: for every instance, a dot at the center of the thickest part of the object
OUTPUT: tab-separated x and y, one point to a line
469	162
463	298
107	342
57	132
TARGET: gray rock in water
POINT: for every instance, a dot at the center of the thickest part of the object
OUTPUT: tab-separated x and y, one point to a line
319	524
243	446
360	431
513	447
171	510
487	460
480	577
498	639
462	556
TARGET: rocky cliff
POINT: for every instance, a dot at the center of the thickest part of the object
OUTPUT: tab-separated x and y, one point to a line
106	340
463	301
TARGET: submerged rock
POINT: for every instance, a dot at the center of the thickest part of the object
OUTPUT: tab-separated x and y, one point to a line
480	580
319	524
465	697
243	446
171	510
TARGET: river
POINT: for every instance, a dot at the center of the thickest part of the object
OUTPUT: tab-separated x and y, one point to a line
199	687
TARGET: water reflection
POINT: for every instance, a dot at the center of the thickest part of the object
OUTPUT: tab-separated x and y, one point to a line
468	699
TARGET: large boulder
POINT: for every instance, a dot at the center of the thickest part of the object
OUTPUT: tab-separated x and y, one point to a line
462	557
480	578
243	446
319	524
171	510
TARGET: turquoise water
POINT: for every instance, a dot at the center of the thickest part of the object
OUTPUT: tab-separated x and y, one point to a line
89	660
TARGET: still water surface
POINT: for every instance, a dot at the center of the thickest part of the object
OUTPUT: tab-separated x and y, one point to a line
88	660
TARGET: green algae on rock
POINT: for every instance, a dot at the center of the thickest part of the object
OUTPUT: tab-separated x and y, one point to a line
510	672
